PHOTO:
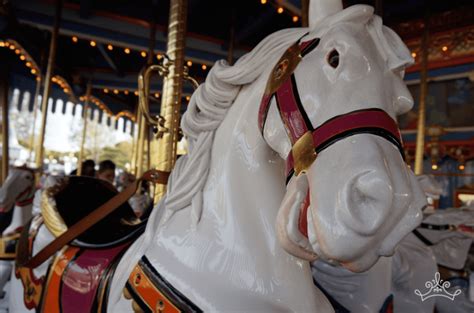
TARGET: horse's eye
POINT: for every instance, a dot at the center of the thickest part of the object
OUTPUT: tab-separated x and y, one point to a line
333	58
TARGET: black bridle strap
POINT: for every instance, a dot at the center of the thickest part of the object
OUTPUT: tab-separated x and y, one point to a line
422	238
442	227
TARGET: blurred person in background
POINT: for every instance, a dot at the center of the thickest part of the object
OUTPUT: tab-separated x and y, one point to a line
106	171
140	201
88	169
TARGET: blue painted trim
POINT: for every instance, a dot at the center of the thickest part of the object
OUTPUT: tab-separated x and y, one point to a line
449	136
443	71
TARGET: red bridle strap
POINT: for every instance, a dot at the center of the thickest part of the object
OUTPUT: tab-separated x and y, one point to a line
286	93
369	121
291	110
26	201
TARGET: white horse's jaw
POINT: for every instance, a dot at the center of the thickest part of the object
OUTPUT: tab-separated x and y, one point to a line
288	216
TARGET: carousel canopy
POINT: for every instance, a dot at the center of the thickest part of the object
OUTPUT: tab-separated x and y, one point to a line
107	42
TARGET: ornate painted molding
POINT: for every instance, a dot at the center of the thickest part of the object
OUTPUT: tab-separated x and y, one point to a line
451	38
447	48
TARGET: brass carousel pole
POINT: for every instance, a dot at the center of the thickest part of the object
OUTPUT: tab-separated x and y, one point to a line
133	163
5	133
151	54
140	144
420	135
84	129
305	13
35	114
47	86
172	88
143	130
148	147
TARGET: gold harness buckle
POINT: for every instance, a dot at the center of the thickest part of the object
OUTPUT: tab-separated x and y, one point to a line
304	153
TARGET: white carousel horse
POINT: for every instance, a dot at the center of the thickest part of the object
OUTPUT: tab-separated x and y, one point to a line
413	264
442	239
449	235
211	244
16	194
32	209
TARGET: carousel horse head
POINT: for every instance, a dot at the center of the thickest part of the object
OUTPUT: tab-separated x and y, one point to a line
17	189
329	109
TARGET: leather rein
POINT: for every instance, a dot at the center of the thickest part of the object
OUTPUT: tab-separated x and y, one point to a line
25	260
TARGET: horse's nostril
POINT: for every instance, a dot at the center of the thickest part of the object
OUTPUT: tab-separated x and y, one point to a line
369	200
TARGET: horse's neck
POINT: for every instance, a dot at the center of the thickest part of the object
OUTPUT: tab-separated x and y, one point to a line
250	174
234	246
21	215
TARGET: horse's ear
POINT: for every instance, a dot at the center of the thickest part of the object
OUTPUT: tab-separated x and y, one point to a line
319	9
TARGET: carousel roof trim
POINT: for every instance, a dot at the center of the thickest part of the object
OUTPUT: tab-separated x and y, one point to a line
119	31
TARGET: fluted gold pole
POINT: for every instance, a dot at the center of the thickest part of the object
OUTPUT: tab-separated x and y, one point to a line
172	89
47	86
84	129
420	135
35	115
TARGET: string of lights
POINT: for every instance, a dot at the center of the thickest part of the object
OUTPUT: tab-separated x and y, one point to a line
144	54
23	55
67	89
280	10
102	106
